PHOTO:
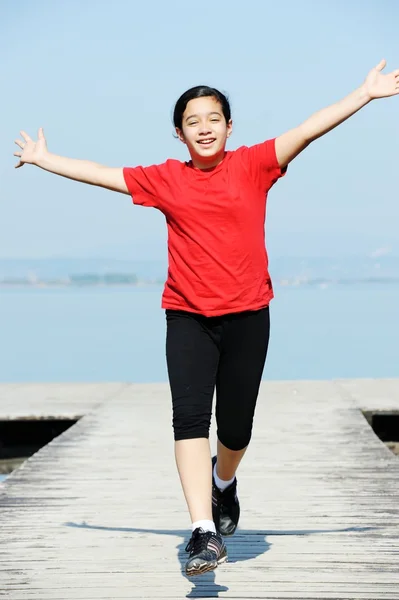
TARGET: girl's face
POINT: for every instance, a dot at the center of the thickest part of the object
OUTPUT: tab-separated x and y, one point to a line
204	131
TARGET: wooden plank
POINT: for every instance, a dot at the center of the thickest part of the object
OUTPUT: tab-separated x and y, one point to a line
99	513
373	394
53	400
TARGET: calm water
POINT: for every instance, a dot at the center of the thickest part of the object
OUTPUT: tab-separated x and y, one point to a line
117	334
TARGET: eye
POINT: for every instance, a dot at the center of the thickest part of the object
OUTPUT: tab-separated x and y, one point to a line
192	123
215	120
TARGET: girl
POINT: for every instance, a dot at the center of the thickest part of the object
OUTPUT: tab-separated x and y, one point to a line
218	287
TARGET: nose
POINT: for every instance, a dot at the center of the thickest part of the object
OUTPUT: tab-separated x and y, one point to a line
204	128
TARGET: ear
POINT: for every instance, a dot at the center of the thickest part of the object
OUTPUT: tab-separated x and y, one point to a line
180	135
229	128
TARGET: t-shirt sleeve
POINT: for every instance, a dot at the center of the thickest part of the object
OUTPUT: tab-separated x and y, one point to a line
262	163
146	185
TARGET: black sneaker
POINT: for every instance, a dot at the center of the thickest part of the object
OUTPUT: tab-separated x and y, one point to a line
207	551
225	507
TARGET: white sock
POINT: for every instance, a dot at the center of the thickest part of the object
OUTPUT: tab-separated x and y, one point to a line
205	525
222	485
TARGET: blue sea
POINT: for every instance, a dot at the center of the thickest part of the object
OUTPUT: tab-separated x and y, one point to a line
99	334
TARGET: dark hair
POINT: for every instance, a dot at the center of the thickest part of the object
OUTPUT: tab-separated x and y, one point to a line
200	91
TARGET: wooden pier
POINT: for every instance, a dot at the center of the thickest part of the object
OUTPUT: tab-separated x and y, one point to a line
99	514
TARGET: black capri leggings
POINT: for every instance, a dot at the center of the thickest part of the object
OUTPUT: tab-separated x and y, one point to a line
228	352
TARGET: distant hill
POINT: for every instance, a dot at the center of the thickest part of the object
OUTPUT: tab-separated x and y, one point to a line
50	268
285	270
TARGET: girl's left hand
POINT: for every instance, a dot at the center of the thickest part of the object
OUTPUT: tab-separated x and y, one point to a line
377	85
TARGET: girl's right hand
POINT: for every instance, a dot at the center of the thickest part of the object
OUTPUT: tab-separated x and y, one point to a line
85	171
32	152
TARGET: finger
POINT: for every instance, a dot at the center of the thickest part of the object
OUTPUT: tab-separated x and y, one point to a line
17	153
20	164
40	134
381	64
25	136
396	72
20	144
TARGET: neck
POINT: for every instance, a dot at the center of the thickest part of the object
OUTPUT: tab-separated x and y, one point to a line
206	164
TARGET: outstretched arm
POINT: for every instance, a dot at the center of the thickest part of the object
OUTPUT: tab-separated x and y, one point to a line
36	153
376	85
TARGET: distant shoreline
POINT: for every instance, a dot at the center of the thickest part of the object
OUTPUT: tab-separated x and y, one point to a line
317	272
103	283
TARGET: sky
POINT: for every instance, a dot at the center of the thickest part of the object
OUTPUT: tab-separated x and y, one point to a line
102	78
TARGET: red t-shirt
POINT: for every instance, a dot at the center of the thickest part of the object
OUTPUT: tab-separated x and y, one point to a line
216	237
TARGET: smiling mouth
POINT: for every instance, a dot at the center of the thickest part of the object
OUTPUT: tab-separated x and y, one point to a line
206	142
